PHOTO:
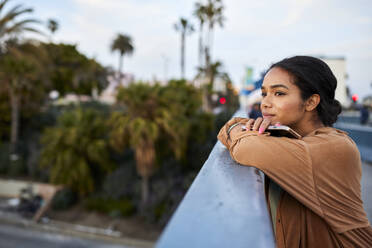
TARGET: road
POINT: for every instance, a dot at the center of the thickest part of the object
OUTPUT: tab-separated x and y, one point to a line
17	237
367	189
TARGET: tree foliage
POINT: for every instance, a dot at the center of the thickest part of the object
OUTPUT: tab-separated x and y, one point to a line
137	128
52	25
10	23
76	150
199	13
152	112
73	72
210	13
23	76
124	45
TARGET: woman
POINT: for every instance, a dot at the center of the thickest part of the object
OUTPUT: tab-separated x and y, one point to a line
313	183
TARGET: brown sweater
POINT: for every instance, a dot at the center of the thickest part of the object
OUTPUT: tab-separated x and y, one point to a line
320	175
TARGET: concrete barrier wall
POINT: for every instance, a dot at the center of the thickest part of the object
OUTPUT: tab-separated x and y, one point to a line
12	188
224	207
362	136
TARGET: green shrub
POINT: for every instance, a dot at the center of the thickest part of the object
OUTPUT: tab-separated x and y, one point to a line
4	158
115	208
16	166
76	150
121	182
64	199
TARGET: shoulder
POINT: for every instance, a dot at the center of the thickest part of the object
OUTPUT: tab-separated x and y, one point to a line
332	145
331	137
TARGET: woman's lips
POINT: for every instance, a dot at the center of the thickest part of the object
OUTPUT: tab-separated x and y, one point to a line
268	115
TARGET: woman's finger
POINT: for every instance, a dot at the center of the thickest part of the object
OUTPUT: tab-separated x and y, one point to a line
249	124
257	124
264	124
234	120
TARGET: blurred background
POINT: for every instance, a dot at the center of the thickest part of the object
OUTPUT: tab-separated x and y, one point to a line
112	107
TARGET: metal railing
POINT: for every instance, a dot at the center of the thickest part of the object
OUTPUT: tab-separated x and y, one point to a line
362	136
224	207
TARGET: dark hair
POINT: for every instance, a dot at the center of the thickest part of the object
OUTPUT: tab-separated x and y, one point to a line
313	76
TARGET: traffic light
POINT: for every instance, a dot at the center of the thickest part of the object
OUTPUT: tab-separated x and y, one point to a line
222	100
355	98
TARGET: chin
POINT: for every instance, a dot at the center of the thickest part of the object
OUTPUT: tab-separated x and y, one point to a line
273	121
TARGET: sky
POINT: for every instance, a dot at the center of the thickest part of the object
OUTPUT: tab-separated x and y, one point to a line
255	34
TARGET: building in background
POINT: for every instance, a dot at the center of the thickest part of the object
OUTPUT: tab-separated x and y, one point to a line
247	87
250	91
109	94
338	67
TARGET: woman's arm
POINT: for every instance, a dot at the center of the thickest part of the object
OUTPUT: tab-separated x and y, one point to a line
286	161
228	128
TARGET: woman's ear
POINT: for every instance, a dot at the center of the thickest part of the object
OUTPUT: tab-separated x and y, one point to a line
312	102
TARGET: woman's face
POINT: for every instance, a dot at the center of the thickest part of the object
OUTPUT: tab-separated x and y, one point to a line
281	99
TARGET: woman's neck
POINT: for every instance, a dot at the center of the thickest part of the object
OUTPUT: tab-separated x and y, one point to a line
310	128
308	125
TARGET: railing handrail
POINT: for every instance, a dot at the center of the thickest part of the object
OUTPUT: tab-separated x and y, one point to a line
224	207
362	136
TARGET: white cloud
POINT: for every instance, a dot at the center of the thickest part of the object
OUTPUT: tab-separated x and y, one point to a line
296	10
363	20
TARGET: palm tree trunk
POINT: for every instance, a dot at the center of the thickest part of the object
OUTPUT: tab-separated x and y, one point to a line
183	55
201	46
145	156
209	42
145	190
121	58
211	34
205	104
14	103
208	64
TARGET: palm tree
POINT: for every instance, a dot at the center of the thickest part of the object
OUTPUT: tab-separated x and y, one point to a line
199	13
147	117
76	150
18	65
214	15
213	71
52	26
124	45
10	25
210	73
137	128
21	66
185	28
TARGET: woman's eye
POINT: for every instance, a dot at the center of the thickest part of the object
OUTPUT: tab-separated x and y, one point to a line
279	93
263	94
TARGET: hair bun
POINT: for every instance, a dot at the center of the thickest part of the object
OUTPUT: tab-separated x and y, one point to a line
333	110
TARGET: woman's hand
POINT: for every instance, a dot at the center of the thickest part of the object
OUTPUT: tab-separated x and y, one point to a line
259	124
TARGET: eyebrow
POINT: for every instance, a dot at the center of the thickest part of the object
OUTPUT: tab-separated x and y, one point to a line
276	86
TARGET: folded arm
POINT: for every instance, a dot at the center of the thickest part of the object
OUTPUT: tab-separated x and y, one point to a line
286	161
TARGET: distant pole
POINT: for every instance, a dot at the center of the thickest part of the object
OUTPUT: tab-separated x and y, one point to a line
165	67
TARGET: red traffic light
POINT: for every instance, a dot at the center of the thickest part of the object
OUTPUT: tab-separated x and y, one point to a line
355	97
222	100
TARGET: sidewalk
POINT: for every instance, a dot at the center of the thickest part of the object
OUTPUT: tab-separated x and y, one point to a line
67	229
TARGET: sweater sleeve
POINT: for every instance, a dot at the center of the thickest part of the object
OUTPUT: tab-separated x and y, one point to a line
223	135
286	161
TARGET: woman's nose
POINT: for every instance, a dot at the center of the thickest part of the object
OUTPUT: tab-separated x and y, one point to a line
265	103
